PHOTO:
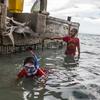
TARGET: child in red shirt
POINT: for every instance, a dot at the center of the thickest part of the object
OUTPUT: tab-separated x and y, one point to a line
31	68
73	43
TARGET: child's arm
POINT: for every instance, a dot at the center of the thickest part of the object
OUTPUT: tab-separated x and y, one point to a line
36	60
52	38
35	57
57	38
21	74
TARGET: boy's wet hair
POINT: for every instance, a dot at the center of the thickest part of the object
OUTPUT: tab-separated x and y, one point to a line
29	60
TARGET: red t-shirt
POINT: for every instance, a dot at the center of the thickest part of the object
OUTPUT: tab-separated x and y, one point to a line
23	73
72	43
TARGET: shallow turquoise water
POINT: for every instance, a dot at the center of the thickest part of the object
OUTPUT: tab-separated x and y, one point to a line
81	82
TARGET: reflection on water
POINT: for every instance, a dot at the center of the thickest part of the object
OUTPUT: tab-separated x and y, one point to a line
66	81
31	89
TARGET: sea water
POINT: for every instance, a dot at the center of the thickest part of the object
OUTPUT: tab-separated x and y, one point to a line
79	82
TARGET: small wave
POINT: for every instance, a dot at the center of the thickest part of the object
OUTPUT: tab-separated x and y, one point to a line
49	64
92	53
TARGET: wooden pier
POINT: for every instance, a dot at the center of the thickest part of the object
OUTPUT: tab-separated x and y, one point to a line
42	24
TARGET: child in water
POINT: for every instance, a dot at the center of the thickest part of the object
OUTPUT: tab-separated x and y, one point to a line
72	46
31	67
73	43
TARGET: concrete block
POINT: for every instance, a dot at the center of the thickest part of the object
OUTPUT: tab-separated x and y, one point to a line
41	23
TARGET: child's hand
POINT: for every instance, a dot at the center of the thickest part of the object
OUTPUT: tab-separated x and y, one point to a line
43	79
29	49
46	38
78	57
51	38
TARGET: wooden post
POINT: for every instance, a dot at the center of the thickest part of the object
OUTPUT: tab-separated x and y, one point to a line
43	5
69	21
41	23
3	14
